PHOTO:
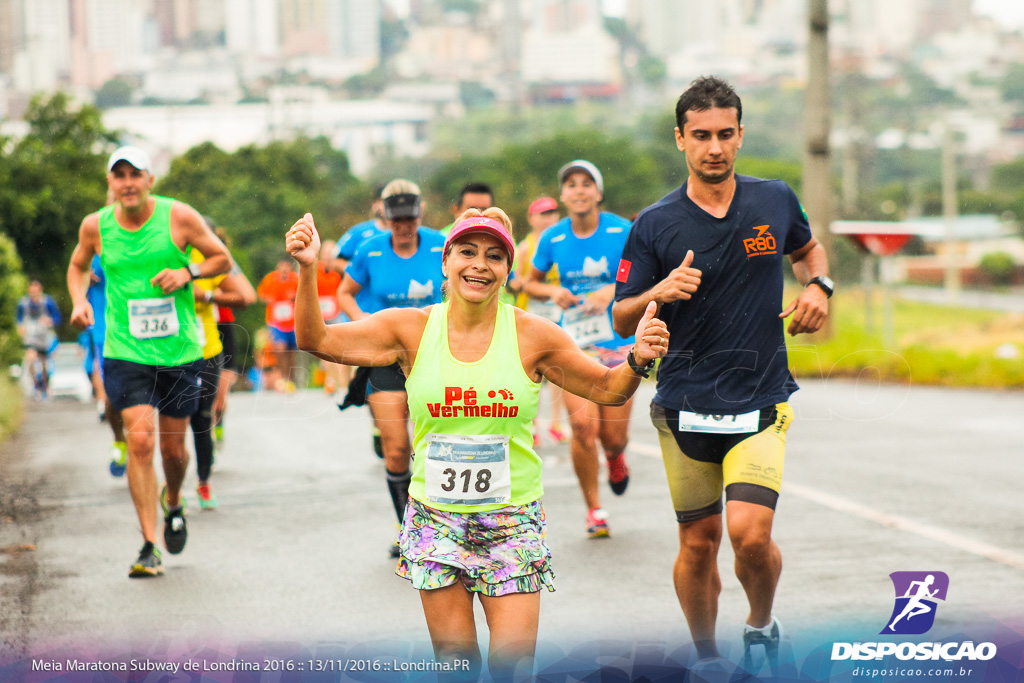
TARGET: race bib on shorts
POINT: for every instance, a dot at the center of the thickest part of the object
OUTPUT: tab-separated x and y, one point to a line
548	310
152	318
587	329
468	470
719	424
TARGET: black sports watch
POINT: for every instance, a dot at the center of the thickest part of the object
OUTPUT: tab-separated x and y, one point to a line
825	283
641	370
193	270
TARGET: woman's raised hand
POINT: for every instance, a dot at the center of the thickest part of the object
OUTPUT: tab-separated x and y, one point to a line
303	241
651	337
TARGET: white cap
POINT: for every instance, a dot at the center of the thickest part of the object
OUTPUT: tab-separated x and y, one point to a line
586	167
133	155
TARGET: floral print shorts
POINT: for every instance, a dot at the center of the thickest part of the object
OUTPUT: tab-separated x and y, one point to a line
493	553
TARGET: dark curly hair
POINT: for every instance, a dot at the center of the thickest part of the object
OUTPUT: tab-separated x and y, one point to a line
703	94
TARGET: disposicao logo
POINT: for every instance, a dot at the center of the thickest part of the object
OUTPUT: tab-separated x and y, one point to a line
917	597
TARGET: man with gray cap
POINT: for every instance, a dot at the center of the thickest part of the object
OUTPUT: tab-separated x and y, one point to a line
152	354
586	247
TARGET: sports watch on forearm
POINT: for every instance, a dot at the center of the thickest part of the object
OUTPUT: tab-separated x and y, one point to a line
824	282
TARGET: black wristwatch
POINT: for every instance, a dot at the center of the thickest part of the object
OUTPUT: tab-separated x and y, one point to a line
825	283
641	370
193	270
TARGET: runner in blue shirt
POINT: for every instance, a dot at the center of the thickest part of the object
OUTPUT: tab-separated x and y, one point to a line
398	269
36	317
710	255
349	243
586	247
92	340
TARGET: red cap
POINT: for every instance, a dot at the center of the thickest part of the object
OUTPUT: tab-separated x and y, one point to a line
485	225
542	204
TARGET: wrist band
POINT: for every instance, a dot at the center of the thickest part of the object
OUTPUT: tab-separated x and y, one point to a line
641	370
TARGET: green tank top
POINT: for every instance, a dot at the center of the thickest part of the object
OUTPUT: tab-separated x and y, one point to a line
144	325
473	422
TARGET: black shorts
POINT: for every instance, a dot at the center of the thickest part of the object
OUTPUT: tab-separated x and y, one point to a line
386	378
227	339
172	389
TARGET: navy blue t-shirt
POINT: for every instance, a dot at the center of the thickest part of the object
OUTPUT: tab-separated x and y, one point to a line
727	353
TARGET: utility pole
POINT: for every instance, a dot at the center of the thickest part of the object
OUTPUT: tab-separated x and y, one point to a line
817	190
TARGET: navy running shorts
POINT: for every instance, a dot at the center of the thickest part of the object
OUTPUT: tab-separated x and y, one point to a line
172	389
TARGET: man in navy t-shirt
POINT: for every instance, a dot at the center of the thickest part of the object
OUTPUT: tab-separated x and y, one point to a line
710	254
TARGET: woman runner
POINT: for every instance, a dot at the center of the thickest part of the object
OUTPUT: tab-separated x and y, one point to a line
474	523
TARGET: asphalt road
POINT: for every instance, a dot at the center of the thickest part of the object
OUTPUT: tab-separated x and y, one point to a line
878	479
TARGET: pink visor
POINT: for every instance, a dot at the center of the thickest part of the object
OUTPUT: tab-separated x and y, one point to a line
485	225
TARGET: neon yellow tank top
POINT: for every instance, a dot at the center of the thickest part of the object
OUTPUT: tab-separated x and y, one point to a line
144	325
473	422
206	320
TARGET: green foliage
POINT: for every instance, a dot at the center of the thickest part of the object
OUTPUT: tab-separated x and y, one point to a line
12	286
470	7
998	266
367	85
520	172
1008	177
11	407
1012	85
651	70
788	171
258	192
49	181
930	347
117	92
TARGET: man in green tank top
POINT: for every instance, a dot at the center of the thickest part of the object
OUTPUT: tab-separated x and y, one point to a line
152	355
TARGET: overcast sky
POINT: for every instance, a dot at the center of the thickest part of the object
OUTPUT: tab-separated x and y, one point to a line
1009	12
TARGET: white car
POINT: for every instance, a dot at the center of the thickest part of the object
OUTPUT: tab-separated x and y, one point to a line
67	374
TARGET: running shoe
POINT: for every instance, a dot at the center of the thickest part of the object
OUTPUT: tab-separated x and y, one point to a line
558	435
597	523
618	474
207	501
175	531
768	638
378	448
149	563
164	507
118	458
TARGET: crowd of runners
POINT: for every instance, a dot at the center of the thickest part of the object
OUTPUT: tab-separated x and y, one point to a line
448	336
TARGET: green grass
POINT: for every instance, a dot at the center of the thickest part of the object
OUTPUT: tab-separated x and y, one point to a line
934	345
10	408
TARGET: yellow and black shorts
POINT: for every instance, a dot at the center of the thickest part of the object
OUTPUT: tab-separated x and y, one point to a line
699	466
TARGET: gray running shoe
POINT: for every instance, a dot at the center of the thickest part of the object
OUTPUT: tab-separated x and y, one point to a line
767	638
175	531
150	563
